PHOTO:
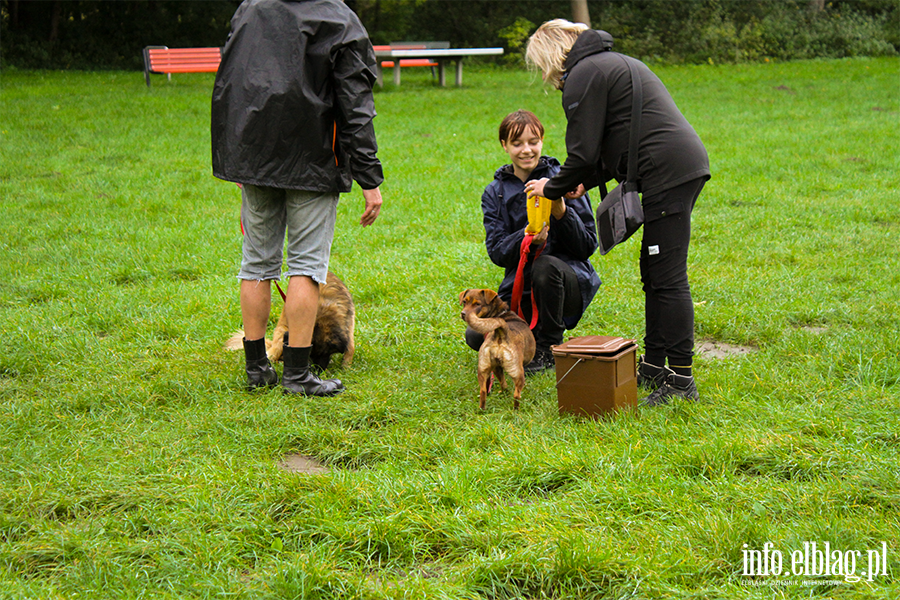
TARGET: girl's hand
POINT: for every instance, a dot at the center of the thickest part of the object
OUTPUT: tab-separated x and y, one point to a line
558	208
541	237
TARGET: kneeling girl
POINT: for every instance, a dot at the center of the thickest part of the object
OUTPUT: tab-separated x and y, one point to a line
561	279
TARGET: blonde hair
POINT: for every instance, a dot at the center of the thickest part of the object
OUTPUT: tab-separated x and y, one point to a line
549	46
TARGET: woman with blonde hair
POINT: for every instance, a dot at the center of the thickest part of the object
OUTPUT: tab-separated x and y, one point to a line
672	168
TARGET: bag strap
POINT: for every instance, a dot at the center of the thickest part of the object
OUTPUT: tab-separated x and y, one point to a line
634	138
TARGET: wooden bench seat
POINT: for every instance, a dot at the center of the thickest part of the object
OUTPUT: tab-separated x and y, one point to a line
164	60
406	62
410	62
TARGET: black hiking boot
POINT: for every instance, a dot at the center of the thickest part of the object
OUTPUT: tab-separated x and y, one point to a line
543	360
650	376
675	386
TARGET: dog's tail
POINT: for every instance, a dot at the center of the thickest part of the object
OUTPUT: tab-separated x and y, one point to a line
498	327
236	341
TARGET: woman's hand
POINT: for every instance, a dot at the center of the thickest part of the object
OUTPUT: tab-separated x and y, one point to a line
576	193
535	187
558	208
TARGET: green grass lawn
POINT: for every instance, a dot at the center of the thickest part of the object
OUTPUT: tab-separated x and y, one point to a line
134	464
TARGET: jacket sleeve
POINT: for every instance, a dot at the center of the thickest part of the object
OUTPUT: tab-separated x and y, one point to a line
597	180
354	75
584	101
502	245
575	234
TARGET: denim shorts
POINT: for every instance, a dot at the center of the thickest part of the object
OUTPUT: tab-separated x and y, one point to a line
307	217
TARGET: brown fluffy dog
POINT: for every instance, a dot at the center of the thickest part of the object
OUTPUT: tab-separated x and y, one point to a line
508	342
333	334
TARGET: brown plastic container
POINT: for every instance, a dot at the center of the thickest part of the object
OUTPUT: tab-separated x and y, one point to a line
596	375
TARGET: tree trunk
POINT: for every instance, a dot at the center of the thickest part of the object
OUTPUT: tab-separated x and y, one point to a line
816	5
54	21
580	12
14	14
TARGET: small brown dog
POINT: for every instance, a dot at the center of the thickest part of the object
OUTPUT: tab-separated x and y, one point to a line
508	342
333	333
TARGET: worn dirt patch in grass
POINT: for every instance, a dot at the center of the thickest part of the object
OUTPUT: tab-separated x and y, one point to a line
814	329
298	463
719	350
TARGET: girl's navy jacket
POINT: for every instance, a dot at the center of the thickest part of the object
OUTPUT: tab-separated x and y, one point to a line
572	239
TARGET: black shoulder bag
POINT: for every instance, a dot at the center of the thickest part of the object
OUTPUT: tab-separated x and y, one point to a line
620	214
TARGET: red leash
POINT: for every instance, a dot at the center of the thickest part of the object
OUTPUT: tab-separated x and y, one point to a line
519	283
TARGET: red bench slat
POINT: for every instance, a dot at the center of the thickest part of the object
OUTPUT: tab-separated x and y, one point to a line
184	60
180	60
410	62
206	60
406	62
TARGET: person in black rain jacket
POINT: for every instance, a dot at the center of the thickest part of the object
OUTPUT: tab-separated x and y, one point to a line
292	123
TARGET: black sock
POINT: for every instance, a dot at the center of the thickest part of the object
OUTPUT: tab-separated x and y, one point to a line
656	361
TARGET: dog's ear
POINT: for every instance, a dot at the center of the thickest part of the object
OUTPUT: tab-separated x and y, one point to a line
498	306
462	296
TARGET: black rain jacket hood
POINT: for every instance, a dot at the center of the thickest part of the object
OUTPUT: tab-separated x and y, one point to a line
596	41
292	105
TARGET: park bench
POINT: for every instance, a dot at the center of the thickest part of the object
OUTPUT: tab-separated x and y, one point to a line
164	60
440	55
411	62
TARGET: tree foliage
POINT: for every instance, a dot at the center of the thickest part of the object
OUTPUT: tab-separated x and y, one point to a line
91	34
88	34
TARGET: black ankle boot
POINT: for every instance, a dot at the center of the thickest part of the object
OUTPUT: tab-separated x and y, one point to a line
298	379
675	387
651	376
543	360
260	373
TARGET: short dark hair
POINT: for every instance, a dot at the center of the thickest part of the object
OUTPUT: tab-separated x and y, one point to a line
515	123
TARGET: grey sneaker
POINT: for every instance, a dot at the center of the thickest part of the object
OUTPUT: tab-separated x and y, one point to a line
675	386
650	376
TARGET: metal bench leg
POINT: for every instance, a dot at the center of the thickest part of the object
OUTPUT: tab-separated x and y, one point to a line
459	72
397	72
442	76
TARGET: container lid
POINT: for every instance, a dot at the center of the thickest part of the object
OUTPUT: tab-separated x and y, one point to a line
597	345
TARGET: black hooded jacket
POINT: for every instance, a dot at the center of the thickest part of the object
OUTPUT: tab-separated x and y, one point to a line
597	102
292	105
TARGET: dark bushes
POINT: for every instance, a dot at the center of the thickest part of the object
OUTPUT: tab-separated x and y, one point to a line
97	34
